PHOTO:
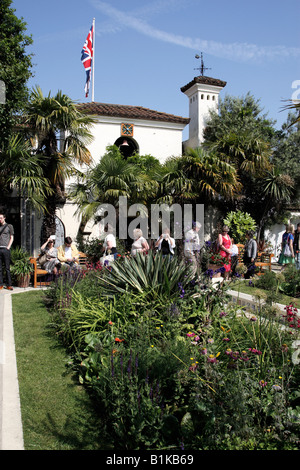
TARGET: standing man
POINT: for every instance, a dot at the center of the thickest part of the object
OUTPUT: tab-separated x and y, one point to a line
297	246
6	240
192	245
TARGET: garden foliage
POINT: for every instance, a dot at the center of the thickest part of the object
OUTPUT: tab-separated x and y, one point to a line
170	363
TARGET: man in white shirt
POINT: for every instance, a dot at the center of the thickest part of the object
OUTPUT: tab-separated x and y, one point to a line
192	245
68	253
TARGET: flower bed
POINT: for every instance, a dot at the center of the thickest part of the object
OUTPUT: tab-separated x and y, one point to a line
170	365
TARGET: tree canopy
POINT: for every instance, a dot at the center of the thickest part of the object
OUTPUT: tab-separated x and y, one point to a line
15	67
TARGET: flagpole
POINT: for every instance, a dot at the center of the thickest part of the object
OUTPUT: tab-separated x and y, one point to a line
93	62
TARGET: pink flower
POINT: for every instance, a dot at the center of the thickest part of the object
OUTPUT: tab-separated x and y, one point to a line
255	351
190	335
262	383
211	358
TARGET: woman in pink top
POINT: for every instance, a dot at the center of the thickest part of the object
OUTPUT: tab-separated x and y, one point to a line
225	249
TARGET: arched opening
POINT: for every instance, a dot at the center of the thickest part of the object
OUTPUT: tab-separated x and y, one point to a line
60	232
127	146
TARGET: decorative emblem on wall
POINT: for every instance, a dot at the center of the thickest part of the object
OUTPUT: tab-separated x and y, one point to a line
127	129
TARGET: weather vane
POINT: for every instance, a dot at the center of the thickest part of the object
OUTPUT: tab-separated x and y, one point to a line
202	68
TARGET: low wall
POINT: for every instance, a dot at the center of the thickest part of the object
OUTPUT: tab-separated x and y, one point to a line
249	301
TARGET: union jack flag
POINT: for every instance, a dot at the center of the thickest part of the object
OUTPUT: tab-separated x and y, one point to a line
86	59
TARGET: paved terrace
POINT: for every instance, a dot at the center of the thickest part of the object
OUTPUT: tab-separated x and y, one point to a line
11	433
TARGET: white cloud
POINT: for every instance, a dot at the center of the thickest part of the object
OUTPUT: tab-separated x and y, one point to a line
234	51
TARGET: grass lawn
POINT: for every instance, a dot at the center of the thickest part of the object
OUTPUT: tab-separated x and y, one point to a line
56	411
244	287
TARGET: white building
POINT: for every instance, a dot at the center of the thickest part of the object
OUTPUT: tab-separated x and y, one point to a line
144	131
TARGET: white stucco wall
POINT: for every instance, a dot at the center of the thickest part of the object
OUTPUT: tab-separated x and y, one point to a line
202	99
159	139
274	234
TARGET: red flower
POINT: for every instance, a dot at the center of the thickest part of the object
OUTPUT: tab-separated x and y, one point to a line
119	340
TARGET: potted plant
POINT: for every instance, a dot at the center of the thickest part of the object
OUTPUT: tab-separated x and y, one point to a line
215	260
21	267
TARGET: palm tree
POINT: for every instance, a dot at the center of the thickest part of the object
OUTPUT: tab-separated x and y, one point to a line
199	174
107	181
49	118
21	170
247	150
276	187
294	106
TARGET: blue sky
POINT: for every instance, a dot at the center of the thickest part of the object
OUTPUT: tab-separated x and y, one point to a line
145	50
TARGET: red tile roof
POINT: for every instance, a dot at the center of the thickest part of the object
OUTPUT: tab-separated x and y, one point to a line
204	80
129	112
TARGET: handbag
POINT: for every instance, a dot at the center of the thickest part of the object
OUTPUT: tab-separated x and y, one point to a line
106	260
287	251
42	259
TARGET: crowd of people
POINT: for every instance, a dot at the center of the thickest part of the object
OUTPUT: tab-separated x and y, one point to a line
67	255
290	254
165	244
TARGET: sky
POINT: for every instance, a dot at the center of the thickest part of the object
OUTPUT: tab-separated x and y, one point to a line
145	50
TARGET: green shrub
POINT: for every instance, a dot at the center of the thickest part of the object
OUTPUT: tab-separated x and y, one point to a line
93	248
291	282
150	273
239	222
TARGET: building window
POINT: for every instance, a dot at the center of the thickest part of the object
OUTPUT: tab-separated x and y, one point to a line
208	97
127	129
202	97
213	98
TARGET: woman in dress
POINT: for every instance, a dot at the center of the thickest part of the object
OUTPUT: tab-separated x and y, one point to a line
52	264
140	244
287	255
224	242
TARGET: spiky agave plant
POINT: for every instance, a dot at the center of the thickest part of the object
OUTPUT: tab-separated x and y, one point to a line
151	273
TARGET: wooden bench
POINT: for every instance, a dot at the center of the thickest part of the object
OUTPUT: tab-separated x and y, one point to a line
263	260
82	259
38	272
45	277
241	252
